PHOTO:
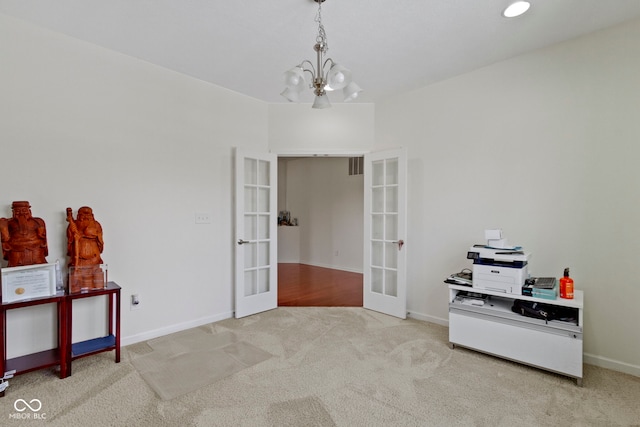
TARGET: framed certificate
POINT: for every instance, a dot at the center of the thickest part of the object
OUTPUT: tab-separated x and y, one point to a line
26	282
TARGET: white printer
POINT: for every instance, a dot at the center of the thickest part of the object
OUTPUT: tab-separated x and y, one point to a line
499	270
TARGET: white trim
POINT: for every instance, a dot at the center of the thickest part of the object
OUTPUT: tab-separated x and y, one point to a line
319	153
330	153
332	267
614	365
133	339
428	318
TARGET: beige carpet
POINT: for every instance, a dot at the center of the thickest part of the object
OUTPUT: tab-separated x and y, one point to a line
326	367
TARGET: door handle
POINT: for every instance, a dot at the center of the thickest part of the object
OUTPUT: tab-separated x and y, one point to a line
400	243
242	242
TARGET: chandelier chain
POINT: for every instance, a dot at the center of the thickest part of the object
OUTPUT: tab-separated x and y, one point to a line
322	35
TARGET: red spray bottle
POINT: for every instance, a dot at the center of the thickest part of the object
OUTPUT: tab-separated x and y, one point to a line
566	285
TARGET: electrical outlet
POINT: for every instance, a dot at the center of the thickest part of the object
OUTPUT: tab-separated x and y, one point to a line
135	301
203	218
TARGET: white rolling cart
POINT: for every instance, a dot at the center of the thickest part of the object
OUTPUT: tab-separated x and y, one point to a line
492	327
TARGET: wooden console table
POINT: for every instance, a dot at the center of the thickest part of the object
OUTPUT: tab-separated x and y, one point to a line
67	351
96	345
42	359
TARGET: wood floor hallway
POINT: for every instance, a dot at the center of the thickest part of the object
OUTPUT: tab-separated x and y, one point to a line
305	285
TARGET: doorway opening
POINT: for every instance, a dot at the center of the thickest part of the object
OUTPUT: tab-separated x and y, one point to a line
320	232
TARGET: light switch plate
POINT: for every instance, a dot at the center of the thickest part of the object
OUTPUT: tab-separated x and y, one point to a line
203	218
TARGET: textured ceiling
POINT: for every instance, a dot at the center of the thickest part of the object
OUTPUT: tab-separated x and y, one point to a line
390	46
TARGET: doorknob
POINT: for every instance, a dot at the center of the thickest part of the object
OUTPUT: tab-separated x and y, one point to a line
400	243
242	242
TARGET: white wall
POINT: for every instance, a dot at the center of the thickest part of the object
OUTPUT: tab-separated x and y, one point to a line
544	146
329	206
146	148
344	128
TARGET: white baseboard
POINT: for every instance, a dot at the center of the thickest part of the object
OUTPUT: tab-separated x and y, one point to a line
289	261
427	318
133	339
333	267
614	365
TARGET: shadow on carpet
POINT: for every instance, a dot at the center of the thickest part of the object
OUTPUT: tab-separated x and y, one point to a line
169	368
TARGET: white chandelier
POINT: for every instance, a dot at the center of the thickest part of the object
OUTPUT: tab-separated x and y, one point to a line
334	78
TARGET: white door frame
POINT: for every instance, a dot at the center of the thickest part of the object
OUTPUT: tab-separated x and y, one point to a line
337	153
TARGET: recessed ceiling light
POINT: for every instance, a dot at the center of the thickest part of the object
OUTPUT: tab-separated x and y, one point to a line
516	9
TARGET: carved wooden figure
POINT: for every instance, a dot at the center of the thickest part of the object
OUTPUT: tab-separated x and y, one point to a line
84	248
24	238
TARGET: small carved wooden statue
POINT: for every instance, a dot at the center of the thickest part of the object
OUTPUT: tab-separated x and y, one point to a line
84	248
24	238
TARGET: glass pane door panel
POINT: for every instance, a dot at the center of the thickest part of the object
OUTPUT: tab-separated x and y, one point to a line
377	254
391	255
250	202
263	280
263	254
250	255
256	261
391	201
377	200
250	171
263	227
385	220
391	283
392	172
263	199
391	227
377	173
250	282
376	280
263	173
377	227
250	227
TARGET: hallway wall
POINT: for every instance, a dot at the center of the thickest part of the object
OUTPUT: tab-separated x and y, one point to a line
329	206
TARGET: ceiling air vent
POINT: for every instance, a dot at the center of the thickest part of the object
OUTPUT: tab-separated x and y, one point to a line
356	165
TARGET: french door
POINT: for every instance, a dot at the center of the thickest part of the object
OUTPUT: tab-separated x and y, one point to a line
385	229
256	254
